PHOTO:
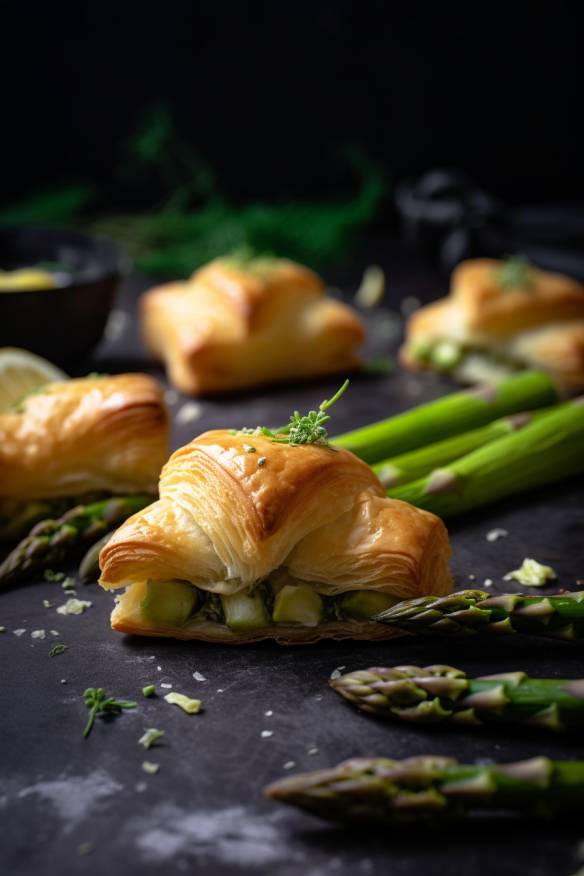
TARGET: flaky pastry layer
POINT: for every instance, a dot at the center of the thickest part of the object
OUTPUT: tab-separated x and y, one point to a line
90	434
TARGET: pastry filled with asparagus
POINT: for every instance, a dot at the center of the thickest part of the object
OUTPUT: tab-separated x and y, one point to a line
271	535
501	316
241	322
65	450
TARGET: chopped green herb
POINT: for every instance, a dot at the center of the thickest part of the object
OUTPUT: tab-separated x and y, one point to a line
188	705
68	584
150	736
249	448
99	704
49	575
516	273
150	768
149	690
95	375
262	460
57	649
379	367
532	574
2	629
307	429
85	848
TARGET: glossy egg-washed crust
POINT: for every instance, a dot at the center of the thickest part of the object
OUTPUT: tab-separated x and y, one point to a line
90	434
542	325
231	326
224	522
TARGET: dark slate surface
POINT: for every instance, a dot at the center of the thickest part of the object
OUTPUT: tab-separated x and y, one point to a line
70	805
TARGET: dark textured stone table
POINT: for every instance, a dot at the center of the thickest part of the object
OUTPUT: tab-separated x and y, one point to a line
75	805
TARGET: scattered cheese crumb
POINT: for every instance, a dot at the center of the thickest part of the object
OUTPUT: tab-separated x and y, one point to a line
74	606
38	634
495	534
19	632
531	574
187	704
372	288
63	681
150	768
336	673
53	632
312	751
290	764
488	582
318	697
159	668
219	690
269	713
166	685
47	604
198	676
265	734
140	787
472	577
2	629
116	325
188	413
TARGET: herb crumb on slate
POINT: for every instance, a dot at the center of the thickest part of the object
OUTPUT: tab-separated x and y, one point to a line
531	574
187	704
150	736
74	606
57	649
149	690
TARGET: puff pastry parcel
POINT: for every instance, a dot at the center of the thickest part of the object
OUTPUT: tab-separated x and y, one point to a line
252	539
488	326
104	434
237	324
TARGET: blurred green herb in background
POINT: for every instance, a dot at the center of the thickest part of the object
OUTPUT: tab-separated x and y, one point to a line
194	222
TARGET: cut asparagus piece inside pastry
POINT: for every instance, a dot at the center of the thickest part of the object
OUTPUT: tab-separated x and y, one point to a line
255	537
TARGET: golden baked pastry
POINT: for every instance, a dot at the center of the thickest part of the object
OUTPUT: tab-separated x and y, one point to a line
236	324
253	539
500	316
91	434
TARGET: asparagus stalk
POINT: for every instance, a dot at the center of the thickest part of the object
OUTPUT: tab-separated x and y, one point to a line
474	611
546	450
51	542
450	416
383	791
410	466
444	694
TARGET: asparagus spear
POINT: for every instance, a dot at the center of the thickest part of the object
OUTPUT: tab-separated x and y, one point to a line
415	464
475	611
450	416
546	450
383	791
50	542
444	694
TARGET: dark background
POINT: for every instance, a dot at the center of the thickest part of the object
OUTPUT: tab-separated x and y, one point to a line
270	92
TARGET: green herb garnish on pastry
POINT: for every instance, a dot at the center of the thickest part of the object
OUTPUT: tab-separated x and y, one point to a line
501	316
303	547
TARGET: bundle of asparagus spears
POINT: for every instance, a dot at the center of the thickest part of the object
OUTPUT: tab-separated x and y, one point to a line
476	446
55	540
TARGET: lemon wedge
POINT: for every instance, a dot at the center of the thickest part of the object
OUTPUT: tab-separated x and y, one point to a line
26	279
22	372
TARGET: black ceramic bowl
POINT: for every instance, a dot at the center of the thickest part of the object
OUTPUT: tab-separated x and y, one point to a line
64	323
